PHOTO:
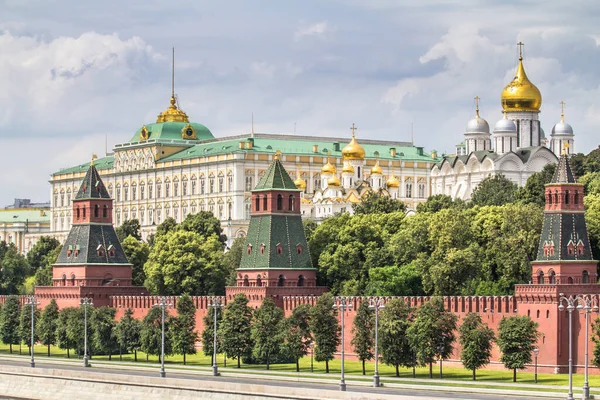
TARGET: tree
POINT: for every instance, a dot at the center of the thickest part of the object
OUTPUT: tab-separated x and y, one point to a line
43	275
298	338
48	324
309	226
393	280
14	270
267	331
9	321
137	253
431	335
188	262
130	227
62	338
183	327
205	224
516	339
36	256
325	328
235	330
476	340
168	225
209	331
104	336
439	202
151	333
378	203
395	347
25	325
76	330
362	333
128	333
495	190
591	162
535	189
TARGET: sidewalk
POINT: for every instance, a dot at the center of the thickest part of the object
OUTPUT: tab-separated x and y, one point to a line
482	387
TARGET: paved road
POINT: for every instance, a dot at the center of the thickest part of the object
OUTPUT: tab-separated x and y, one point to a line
426	393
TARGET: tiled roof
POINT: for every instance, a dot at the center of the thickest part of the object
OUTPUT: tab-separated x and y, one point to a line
83	241
276	177
563	172
561	229
92	186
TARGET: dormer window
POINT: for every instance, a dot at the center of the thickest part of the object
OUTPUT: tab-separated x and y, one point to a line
100	251
262	248
580	248
111	251
299	249
69	251
279	248
571	248
249	249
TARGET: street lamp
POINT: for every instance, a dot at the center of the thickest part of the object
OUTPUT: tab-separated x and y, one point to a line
85	303
585	304
342	303
570	307
31	301
440	349
162	303
376	303
536	352
215	303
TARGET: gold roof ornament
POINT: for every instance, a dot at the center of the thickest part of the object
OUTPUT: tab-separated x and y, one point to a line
376	170
392	182
521	94
353	150
333	181
299	182
277	155
144	133
173	113
94	157
348	169
565	149
328	168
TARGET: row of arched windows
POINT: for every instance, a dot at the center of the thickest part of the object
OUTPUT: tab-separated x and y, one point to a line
553	198
551	279
280	202
81	212
281	281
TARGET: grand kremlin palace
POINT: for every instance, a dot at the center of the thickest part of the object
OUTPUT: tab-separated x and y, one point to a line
175	167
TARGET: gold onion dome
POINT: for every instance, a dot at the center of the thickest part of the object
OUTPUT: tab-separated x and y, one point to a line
333	181
328	168
348	169
392	182
376	169
521	94
300	183
172	114
353	150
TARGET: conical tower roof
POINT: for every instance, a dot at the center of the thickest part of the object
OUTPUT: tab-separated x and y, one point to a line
563	172
276	178
92	186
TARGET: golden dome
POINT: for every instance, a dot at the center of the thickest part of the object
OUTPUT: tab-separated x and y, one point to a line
521	94
328	168
392	182
353	150
172	114
334	181
300	183
348	169
376	169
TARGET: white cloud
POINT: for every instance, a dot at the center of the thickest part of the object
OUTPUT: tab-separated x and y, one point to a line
317	29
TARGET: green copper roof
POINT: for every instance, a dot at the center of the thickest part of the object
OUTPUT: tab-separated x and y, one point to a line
100	164
276	177
10	216
172	131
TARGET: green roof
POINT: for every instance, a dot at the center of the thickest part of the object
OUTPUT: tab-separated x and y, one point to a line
100	164
172	131
276	177
8	216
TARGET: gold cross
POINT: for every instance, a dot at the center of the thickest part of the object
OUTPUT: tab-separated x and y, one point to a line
562	111
353	129
520	44
566	146
477	105
94	157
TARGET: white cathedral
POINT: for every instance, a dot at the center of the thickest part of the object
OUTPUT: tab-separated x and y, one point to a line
520	147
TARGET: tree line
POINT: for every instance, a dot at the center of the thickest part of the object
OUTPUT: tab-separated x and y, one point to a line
408	337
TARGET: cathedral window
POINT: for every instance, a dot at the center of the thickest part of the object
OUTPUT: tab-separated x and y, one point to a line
540	278
258	281
552	277
84	212
77	212
300	281
279	202
291	203
281	280
246	281
556	196
549	197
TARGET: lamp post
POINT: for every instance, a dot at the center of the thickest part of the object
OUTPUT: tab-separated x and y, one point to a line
215	303
376	303
536	351
163	304
440	349
85	303
570	307
31	301
585	304
342	303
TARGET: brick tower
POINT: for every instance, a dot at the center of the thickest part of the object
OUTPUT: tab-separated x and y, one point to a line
276	260
92	262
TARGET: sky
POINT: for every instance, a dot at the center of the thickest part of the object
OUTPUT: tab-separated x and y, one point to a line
77	74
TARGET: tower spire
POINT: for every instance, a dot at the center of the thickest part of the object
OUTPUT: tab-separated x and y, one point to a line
477	98
173	75
562	111
353	128
172	114
520	44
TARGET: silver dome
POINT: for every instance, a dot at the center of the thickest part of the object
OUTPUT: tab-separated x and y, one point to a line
542	133
505	125
562	128
478	125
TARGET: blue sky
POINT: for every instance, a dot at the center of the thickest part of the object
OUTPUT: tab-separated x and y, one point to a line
75	72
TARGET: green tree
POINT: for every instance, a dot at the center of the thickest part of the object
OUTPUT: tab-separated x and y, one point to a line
393	280
431	335
309	226
151	333
25	325
188	262
362	333
534	190
517	337
48	325
137	253
591	162
183	327
576	161
325	328
495	190
168	225
298	338
128	333
63	340
476	340
205	224
208	333
76	330
267	331
9	321
378	203
592	219
104	336
36	256
130	227
14	271
590	182
43	275
439	202
236	329
395	347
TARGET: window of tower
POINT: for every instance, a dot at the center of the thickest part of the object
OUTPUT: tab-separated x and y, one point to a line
96	211
105	212
77	212
281	281
556	196
84	212
552	277
291	203
549	197
567	197
300	280
585	277
541	278
265	202
279	202
576	197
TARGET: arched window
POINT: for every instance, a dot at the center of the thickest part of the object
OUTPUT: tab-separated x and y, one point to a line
549	197
570	280
585	278
72	279
301	280
541	277
257	203
246	281
552	277
77	212
64	280
279	202
105	212
281	281
291	203
83	211
249	249
567	197
265	202
258	281
96	211
538	313
576	198
556	196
